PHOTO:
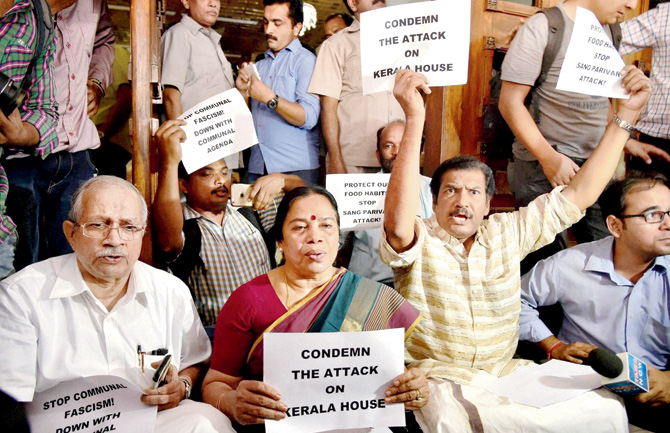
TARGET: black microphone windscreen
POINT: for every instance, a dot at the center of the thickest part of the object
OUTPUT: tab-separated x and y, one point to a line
605	362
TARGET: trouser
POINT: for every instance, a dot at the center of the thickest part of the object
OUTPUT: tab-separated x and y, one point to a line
39	201
527	181
7	248
657	164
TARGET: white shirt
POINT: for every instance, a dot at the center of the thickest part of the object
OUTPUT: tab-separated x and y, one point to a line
53	329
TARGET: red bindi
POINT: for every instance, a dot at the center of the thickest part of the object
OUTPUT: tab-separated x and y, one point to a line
313	217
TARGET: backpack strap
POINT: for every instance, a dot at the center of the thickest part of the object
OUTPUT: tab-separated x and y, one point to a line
44	33
615	29
556	26
255	220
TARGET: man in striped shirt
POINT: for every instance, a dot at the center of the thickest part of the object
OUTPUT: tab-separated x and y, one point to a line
33	123
462	271
232	249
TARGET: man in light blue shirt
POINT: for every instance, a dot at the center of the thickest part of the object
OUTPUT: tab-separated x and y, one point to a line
365	258
285	115
615	292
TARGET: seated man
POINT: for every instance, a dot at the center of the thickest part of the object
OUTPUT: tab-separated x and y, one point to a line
364	244
83	314
462	273
221	247
615	292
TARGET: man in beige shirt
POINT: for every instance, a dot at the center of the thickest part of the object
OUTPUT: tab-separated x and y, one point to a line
349	119
462	272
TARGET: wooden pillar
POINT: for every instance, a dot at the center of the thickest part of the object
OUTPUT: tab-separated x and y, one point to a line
142	13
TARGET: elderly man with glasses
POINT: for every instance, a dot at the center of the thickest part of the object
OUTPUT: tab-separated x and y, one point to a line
615	292
84	314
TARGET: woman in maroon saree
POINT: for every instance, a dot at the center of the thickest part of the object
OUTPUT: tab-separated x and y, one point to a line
306	294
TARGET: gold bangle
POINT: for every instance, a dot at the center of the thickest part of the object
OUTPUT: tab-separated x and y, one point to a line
218	402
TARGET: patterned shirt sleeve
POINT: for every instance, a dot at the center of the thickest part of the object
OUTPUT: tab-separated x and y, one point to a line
639	33
39	107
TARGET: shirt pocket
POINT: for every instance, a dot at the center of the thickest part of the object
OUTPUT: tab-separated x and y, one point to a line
205	67
87	28
285	87
352	73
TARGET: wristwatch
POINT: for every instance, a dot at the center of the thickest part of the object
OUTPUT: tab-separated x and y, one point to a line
272	103
187	388
623	124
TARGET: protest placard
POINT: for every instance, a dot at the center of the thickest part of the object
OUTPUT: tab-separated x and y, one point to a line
360	199
334	380
95	404
215	128
430	37
591	64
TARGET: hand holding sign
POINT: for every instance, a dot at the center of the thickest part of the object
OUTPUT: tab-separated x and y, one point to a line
406	91
410	388
169	137
257	401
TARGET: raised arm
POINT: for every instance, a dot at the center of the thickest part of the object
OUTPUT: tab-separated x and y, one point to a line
589	182
167	216
558	168
402	196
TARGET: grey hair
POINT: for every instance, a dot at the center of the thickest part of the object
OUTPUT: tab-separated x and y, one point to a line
101	182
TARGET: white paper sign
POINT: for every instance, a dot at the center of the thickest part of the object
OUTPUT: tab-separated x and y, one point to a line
91	404
546	384
591	64
334	380
360	199
431	37
215	128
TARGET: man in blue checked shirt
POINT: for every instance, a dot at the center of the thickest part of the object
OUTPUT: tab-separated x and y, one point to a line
650	149
285	115
615	292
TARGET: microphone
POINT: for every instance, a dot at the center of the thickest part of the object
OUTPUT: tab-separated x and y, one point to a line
621	373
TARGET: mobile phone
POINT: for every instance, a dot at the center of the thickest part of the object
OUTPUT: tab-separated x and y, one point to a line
240	194
161	372
251	70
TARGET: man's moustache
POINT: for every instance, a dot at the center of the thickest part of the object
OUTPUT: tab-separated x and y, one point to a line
461	212
374	2
274	38
111	252
222	189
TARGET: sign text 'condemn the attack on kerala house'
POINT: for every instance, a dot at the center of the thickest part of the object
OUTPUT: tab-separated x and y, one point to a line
334	380
429	37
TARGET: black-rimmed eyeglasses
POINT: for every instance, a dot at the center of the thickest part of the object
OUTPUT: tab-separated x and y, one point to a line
651	217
